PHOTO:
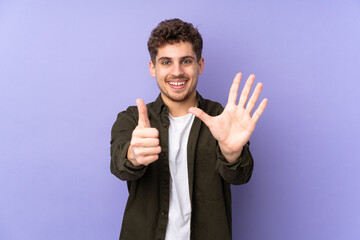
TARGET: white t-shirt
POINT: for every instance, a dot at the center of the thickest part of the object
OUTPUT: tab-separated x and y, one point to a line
180	207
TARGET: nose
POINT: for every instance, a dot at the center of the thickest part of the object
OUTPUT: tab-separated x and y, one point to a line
177	70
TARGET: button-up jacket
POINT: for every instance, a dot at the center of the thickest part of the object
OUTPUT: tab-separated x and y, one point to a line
210	176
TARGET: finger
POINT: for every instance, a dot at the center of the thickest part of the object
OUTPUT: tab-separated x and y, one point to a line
143	117
201	114
147	151
260	110
254	97
145	132
246	90
145	142
234	89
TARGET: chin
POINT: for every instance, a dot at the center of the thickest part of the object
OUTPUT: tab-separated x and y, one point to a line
178	99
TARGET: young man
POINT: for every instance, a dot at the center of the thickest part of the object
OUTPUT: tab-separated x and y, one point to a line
180	153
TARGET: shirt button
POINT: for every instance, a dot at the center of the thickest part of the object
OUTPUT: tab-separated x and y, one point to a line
164	125
163	154
164	213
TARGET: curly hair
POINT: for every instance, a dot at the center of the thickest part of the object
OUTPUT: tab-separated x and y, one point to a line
173	31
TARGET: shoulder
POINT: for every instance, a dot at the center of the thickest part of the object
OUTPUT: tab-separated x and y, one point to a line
132	111
211	107
128	119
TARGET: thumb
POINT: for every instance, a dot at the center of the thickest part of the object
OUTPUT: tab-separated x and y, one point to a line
143	117
201	114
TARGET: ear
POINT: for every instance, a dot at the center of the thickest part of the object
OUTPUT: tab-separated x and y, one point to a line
201	65
152	69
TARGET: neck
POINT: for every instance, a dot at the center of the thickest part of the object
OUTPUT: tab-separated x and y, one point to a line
178	109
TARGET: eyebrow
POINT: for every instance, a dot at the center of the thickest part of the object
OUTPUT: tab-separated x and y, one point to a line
182	58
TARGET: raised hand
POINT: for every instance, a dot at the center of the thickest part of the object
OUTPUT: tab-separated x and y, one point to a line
144	146
234	126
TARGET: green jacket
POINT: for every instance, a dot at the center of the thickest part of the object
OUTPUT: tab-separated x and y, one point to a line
210	176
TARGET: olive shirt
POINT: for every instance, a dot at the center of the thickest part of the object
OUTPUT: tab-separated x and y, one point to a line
210	176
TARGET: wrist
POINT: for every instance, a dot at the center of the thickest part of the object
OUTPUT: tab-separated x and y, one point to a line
130	158
230	156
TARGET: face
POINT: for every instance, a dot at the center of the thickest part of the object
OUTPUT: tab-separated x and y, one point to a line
176	70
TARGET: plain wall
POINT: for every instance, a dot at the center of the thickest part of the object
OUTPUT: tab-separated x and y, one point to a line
68	67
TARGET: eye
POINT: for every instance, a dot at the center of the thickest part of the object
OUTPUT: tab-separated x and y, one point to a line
187	61
165	63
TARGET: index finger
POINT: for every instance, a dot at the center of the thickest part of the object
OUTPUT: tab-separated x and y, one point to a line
234	89
143	117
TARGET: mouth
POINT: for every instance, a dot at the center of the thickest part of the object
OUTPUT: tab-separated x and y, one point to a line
178	84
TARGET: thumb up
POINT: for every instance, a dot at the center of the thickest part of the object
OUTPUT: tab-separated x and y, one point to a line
143	117
145	145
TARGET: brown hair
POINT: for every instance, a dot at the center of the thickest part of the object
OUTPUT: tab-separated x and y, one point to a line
173	31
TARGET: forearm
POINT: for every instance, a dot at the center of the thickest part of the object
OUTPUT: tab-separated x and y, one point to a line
121	133
238	171
121	166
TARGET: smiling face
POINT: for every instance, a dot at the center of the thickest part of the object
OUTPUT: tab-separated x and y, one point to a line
176	70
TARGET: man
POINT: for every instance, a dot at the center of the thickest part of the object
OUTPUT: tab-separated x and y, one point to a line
179	167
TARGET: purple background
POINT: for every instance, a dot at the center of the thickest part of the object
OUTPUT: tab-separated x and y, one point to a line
68	67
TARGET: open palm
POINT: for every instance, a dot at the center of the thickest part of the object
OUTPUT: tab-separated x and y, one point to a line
234	126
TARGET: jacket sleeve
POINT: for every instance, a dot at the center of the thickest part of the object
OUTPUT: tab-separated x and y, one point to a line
121	133
238	172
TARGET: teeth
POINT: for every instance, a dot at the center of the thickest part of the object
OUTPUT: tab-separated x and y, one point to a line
176	83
